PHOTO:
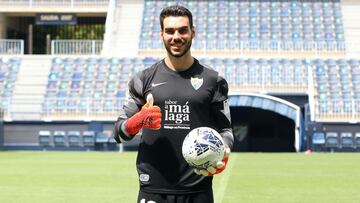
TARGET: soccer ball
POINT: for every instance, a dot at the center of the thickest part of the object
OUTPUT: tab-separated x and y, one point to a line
203	147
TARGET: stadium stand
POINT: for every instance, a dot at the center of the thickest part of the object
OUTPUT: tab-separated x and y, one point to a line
95	86
336	90
254	25
9	68
286	49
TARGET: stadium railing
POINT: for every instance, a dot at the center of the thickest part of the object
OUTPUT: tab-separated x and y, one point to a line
337	111
76	47
84	109
71	3
234	48
11	46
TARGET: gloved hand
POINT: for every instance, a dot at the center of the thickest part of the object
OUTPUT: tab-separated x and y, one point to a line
219	166
148	117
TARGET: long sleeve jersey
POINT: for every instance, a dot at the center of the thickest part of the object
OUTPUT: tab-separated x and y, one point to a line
189	99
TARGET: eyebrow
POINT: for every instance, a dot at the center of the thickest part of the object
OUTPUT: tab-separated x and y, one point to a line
179	28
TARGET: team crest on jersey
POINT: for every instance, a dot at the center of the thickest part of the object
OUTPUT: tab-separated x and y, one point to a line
196	82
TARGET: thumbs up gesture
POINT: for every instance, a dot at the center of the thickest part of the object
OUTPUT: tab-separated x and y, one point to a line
148	117
149	101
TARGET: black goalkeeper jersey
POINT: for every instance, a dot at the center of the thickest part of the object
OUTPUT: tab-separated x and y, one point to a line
193	98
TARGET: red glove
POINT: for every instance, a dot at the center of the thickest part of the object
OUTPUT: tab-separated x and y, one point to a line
148	117
220	166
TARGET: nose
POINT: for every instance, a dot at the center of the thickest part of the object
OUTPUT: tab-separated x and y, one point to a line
176	35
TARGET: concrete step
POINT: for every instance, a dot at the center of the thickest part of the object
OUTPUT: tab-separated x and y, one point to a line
122	37
32	81
26	108
29	89
26	116
34	71
28	97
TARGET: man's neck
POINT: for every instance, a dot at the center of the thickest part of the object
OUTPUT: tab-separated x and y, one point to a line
179	64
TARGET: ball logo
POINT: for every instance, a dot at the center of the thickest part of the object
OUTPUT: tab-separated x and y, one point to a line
209	136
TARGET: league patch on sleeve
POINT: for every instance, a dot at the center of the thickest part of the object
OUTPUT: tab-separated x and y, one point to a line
226	107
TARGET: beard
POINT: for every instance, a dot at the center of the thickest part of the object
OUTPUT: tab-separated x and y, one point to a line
186	47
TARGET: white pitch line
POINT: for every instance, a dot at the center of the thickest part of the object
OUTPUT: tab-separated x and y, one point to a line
220	190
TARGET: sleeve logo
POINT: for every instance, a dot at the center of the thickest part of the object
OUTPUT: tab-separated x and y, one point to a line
144	178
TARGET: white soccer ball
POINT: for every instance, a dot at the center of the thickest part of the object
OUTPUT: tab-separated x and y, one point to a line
203	147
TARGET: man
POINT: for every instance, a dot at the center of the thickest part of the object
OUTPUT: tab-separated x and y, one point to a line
166	101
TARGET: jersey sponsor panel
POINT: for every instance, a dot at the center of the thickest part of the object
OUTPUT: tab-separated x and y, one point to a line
176	115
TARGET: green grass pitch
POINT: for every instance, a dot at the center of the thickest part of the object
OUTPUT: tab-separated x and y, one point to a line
73	177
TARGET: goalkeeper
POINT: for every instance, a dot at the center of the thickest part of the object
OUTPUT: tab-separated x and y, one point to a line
165	102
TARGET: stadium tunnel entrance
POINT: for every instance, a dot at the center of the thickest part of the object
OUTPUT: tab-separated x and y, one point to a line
37	34
264	123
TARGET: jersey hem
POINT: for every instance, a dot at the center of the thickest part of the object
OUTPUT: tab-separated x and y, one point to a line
176	192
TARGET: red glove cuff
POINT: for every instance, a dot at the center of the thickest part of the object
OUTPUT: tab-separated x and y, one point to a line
219	170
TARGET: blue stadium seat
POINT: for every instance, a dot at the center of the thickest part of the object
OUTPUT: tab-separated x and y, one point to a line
318	138
44	138
253	18
59	138
73	138
332	140
88	138
357	140
346	140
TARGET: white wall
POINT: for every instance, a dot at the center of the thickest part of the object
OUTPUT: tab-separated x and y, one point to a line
351	21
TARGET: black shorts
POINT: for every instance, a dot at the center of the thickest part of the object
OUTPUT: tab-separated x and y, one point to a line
205	197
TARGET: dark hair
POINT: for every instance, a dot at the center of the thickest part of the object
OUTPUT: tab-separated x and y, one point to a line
175	10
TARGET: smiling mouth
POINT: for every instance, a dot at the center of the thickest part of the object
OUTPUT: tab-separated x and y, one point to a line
176	46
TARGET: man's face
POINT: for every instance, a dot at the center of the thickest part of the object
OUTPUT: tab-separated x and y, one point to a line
177	35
